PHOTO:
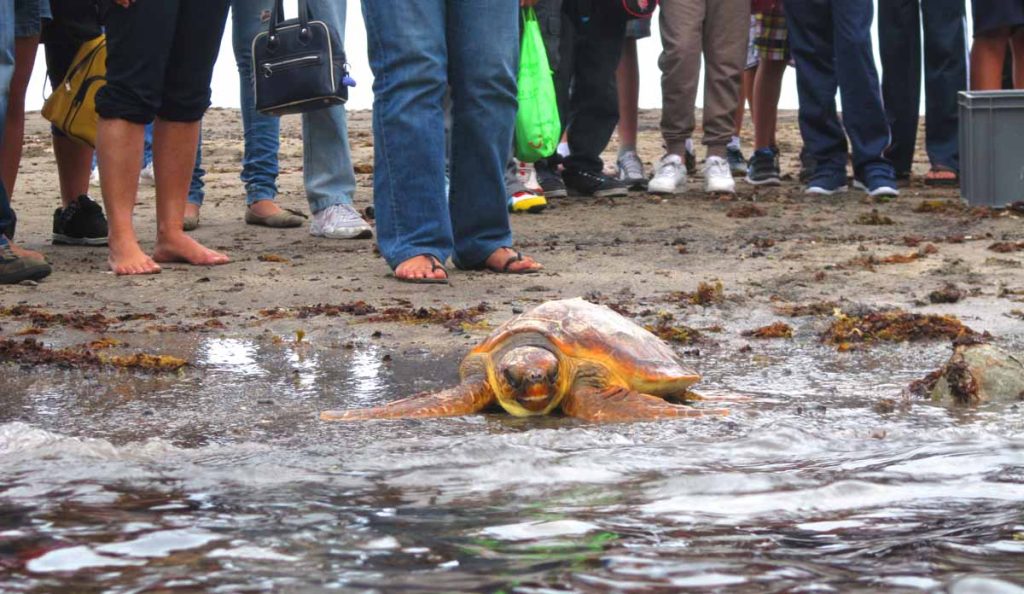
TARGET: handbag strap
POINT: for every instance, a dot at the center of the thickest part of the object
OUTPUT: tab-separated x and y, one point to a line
277	17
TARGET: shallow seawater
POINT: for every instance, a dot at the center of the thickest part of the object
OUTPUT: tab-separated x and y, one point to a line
223	479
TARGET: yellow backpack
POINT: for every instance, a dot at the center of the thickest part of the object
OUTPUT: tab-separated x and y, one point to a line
71	108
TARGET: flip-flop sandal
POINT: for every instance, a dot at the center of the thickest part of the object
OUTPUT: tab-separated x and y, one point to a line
286	219
949	177
435	265
518	257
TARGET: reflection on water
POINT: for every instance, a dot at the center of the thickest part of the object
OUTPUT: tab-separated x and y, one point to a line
223	479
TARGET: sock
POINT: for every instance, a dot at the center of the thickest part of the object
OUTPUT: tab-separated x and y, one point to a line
627	148
689	145
563	149
734	143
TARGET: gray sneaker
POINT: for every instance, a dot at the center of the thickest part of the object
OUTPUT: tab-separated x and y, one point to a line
737	162
14	269
339	221
631	171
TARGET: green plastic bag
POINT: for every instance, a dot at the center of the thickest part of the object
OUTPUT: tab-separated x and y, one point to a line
538	128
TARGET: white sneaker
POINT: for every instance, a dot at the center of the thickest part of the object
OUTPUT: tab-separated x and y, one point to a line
340	221
669	176
718	176
146	176
94	177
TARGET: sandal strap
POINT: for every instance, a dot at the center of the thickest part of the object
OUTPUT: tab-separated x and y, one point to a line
512	260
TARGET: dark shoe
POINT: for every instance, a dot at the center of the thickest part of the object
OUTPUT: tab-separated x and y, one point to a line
80	223
14	269
827	183
550	182
737	162
593	183
880	186
764	168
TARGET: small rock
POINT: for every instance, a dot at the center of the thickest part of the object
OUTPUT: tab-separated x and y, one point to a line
980	373
29	283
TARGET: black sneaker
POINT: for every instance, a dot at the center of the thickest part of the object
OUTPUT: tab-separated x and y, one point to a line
80	223
14	269
764	168
550	181
593	183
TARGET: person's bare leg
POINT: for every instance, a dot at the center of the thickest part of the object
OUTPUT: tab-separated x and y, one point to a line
74	165
627	77
14	126
746	97
987	57
119	148
1017	42
174	157
765	113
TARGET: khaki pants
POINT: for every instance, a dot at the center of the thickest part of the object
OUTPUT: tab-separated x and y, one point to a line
720	30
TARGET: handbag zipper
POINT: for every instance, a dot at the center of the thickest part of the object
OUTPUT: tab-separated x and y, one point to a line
269	67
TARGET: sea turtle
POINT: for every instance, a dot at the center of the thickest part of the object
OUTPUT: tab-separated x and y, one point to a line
573	355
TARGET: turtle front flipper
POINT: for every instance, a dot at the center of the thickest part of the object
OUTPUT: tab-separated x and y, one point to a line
618	405
463	399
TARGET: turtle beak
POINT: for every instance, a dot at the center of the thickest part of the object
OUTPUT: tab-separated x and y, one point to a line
535	395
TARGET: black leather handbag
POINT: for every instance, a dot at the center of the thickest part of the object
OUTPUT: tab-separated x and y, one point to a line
298	65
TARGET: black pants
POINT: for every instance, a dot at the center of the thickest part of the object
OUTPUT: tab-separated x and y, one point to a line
945	74
588	52
160	56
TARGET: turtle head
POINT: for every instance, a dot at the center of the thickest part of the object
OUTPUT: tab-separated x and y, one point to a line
528	381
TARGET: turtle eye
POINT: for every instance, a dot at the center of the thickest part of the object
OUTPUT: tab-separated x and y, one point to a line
511	378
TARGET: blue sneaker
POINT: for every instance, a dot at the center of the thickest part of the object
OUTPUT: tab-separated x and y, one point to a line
877	185
827	183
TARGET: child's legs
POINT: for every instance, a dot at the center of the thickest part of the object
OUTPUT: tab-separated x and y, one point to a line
765	108
987	56
628	78
746	98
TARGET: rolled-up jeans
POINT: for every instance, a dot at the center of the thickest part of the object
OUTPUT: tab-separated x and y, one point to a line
418	49
327	161
6	72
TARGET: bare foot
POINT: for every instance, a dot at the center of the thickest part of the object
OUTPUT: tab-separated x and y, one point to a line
126	257
421	267
509	261
24	253
265	208
178	247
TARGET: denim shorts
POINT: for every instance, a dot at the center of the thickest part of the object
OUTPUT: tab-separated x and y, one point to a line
29	15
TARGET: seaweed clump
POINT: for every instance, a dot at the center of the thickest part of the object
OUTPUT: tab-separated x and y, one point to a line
776	330
854	332
32	352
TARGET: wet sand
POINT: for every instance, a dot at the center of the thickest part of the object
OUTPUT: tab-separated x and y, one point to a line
766	247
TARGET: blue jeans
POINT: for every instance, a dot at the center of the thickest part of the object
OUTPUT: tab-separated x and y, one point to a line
417	49
945	75
831	43
6	72
327	161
